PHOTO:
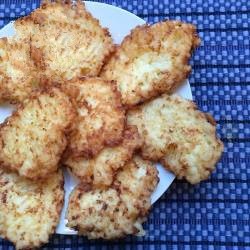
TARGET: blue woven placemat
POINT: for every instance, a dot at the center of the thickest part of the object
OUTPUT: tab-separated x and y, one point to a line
214	214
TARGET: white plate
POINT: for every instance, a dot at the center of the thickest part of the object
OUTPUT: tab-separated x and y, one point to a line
119	22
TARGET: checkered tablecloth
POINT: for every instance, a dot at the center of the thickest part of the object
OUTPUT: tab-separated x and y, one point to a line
214	214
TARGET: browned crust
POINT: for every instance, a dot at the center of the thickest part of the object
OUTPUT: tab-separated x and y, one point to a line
33	96
57	191
74	10
16	115
101	170
119	210
93	142
145	39
190	151
181	171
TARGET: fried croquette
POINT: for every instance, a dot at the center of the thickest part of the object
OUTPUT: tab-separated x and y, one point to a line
29	211
117	211
152	60
100	119
18	74
66	40
178	134
33	139
100	214
101	169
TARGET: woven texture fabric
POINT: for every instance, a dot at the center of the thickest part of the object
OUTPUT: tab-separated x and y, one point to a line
214	214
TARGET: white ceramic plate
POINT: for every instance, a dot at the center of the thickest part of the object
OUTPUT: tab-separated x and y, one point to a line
119	22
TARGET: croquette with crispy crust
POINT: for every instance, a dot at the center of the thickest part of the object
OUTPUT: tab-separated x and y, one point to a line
66	40
117	211
101	169
100	214
33	139
178	134
29	211
100	119
18	74
152	60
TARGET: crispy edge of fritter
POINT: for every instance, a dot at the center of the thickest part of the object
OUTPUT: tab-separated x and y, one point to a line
134	206
140	39
149	152
95	143
59	200
184	170
91	170
75	10
102	216
16	114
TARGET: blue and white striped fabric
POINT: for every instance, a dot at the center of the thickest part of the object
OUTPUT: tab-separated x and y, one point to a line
214	214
